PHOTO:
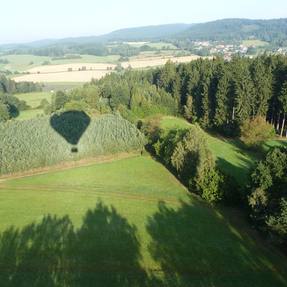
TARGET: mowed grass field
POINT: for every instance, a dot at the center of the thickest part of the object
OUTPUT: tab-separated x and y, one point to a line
125	223
23	63
33	100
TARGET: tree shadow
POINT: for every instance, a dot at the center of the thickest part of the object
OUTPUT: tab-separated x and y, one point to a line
71	125
103	251
195	246
239	173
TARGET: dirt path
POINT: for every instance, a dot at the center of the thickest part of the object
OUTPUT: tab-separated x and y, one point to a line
68	165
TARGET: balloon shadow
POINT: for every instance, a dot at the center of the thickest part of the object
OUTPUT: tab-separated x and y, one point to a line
71	125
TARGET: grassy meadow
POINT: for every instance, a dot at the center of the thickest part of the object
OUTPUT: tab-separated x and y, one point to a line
22	63
125	223
230	154
34	99
255	43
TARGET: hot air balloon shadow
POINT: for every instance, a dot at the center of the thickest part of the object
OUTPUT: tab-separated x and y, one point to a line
71	125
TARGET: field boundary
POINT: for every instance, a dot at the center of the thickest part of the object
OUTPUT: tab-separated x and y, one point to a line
69	165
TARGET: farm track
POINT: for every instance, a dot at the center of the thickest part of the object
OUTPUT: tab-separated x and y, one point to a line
68	165
95	190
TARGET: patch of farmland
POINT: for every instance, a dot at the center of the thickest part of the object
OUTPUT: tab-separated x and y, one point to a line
71	67
77	76
157	61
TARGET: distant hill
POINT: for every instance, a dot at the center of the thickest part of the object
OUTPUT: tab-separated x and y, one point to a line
273	31
147	33
130	34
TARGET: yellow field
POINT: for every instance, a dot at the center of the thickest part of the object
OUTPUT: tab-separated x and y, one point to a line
74	72
56	77
74	67
156	61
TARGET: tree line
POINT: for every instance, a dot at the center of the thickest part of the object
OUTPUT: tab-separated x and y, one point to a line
10	106
219	95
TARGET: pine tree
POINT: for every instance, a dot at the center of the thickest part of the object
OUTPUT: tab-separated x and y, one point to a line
223	110
283	102
244	91
262	79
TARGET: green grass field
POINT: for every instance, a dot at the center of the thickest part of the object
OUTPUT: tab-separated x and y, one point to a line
256	43
125	223
230	154
22	63
112	59
60	86
34	99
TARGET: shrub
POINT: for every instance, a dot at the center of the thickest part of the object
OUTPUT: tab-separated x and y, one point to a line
255	131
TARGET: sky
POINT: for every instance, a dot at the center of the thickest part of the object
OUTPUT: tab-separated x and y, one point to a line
29	20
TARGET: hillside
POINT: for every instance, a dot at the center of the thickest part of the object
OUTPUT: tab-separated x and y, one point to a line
274	31
125	223
154	32
146	33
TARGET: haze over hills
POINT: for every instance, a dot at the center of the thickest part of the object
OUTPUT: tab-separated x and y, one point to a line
273	31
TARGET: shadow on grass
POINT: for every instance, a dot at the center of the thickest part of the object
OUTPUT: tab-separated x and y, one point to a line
196	246
239	173
104	251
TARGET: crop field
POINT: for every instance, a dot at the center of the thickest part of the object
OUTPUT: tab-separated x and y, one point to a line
127	222
72	67
74	72
76	76
156	45
154	61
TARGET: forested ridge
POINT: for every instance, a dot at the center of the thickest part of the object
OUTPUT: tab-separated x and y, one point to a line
272	31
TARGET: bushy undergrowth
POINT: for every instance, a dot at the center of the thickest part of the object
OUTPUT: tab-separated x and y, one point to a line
34	143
